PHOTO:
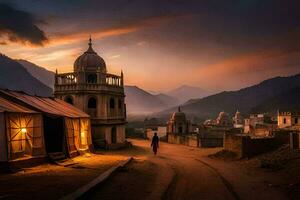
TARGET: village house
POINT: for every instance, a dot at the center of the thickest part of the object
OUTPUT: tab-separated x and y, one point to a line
238	121
288	119
21	133
44	125
100	94
261	125
182	131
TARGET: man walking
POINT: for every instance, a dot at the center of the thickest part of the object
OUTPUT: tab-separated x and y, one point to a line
154	143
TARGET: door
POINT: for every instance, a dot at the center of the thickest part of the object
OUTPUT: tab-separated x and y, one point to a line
53	132
113	135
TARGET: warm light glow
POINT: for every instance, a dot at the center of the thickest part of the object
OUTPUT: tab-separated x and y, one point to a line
83	138
23	130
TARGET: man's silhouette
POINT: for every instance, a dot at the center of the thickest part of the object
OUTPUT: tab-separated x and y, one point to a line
154	143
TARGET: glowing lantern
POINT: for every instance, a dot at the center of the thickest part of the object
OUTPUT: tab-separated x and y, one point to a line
23	130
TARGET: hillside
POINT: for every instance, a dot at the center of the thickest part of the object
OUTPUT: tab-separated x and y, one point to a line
139	101
243	100
42	74
289	100
14	76
185	93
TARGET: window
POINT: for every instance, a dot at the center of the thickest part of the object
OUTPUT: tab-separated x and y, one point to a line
296	120
92	78
69	100
284	120
112	103
92	103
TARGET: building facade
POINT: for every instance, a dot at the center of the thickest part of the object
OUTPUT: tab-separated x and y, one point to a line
287	119
100	94
178	124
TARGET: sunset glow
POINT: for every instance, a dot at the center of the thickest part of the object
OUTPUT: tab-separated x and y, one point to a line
150	47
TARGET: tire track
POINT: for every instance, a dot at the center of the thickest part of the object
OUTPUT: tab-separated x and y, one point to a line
227	184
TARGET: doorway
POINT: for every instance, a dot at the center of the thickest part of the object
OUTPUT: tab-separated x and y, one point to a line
53	131
114	135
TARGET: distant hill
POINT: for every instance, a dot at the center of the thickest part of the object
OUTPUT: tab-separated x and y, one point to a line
139	101
243	100
289	100
168	100
42	74
185	93
14	76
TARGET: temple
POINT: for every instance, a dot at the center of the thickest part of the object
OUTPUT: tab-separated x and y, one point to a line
100	94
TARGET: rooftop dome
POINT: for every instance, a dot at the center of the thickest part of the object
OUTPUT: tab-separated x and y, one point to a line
178	116
90	61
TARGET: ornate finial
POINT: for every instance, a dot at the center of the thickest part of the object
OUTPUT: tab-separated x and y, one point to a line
122	78
90	41
56	72
179	109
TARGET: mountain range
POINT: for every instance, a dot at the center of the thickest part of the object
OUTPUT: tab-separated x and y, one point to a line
186	92
139	101
42	74
14	76
267	96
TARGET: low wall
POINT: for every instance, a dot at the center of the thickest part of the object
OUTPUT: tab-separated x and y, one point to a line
184	140
245	146
194	141
210	142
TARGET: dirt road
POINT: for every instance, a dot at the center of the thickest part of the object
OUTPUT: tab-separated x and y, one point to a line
180	172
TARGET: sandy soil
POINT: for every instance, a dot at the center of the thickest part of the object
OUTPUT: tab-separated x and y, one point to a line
180	172
173	174
50	181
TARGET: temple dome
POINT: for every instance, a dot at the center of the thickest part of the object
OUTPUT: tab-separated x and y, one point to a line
90	61
178	116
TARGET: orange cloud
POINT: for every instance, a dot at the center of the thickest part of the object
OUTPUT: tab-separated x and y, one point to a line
250	68
59	39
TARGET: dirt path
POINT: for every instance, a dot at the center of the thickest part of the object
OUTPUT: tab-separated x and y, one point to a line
180	172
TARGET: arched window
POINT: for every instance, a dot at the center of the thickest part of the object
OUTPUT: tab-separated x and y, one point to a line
92	103
112	103
284	120
92	78
69	100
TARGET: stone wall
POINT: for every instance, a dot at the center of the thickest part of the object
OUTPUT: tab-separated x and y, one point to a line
184	140
194	141
246	146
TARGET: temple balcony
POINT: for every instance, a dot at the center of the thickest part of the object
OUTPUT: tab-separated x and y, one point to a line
88	82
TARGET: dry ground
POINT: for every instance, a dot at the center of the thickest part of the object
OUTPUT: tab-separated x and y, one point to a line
49	181
177	172
180	172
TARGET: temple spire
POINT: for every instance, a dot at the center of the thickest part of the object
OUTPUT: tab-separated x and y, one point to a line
90	41
90	49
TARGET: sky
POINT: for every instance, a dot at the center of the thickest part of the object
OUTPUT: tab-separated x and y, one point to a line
160	44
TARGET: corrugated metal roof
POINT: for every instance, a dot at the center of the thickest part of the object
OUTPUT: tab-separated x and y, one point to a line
47	105
8	106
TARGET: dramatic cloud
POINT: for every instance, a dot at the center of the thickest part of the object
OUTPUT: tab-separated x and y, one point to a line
138	25
215	44
20	26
